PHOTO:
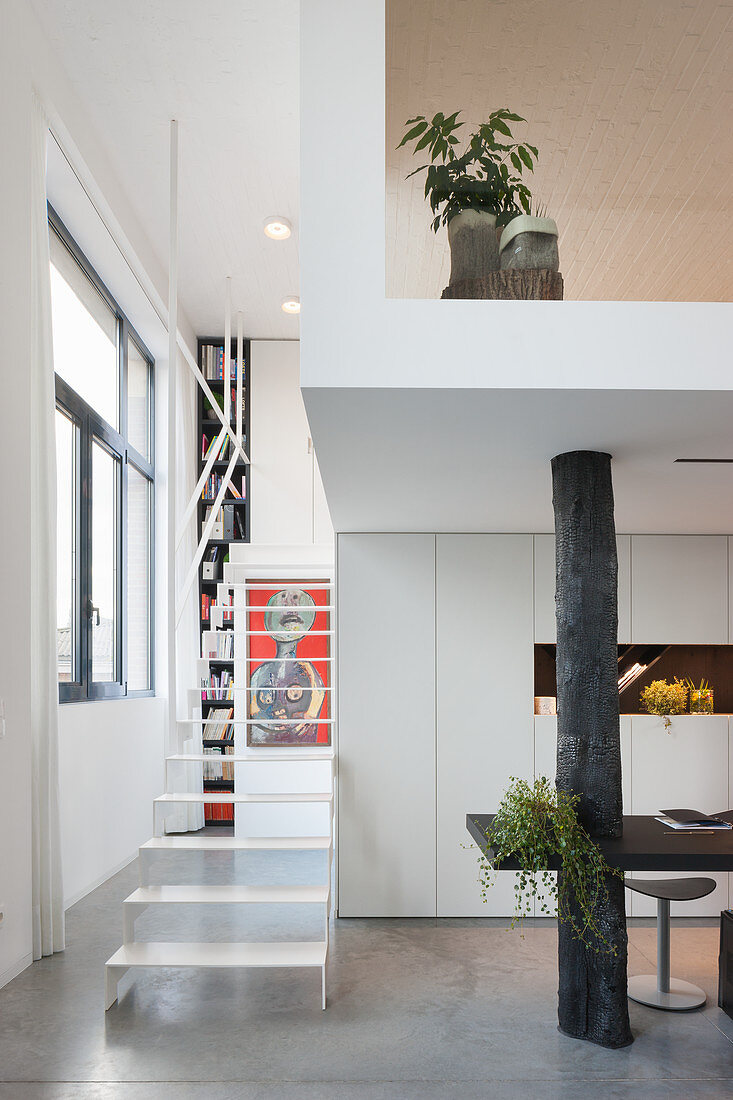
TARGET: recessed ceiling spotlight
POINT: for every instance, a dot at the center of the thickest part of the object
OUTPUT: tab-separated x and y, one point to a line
291	304
279	229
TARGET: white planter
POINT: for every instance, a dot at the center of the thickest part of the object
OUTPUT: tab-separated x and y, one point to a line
529	243
474	250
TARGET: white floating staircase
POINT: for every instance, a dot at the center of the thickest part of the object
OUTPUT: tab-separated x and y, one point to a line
277	953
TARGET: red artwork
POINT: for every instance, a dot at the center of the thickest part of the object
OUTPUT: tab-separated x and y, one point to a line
289	668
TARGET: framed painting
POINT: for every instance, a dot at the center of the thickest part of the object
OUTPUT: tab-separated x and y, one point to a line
289	667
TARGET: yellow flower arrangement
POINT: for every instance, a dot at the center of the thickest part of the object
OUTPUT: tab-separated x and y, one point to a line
659	697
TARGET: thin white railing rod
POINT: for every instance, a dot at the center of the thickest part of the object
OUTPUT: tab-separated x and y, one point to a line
172	619
240	372
193	568
196	495
228	350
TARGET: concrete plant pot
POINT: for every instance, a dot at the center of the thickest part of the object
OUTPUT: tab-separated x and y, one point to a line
474	249
529	243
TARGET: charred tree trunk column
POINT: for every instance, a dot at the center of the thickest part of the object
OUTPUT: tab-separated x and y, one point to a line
592	988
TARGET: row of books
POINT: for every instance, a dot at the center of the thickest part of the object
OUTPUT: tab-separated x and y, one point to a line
218	685
207	446
221	645
213	485
218	767
212	363
217	727
207	602
217	812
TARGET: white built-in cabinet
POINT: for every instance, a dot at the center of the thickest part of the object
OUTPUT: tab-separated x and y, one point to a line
436	692
544	588
483	679
680	589
386	771
288	506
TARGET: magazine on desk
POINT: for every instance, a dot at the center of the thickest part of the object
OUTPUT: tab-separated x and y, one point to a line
693	820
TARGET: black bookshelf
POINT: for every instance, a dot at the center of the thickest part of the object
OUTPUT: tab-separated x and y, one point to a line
209	426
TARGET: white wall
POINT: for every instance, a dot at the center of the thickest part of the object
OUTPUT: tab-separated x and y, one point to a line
288	503
110	770
15	117
604	345
410	773
110	752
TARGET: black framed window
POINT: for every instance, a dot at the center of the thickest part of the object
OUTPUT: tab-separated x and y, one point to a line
105	485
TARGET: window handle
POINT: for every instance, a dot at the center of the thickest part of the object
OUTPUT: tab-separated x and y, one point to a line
91	610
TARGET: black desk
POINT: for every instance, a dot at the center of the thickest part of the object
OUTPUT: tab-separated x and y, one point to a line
646	845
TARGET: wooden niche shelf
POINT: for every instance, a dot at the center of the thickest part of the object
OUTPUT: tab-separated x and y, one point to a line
713	663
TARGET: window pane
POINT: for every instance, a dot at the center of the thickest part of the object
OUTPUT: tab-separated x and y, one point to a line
105	563
138	400
66	625
139	491
84	334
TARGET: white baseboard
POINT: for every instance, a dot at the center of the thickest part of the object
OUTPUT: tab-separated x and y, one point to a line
68	902
16	969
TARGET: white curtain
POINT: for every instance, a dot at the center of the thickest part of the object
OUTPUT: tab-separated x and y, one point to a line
48	907
186	777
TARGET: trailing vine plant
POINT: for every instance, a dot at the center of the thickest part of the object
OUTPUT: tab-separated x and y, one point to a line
534	823
487	175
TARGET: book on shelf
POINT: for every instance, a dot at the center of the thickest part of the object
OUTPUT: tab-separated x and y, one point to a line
218	812
210	445
217	685
221	646
212	363
217	767
225	604
214	483
216	726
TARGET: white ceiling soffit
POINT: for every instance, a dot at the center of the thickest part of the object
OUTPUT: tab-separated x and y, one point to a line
479	460
229	72
630	104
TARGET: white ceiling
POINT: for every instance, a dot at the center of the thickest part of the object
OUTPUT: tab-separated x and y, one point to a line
479	460
630	103
228	71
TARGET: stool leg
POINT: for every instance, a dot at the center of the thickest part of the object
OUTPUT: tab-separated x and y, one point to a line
660	990
663	945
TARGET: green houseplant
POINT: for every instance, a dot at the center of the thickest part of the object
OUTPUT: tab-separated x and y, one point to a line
534	823
662	698
485	177
473	191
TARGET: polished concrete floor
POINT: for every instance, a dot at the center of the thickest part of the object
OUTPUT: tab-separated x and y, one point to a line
418	1010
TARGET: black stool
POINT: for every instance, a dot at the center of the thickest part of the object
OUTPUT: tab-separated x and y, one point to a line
659	990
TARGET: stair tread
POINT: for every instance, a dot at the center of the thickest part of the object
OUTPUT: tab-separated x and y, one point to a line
288	953
251	758
229	843
228	894
233	796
